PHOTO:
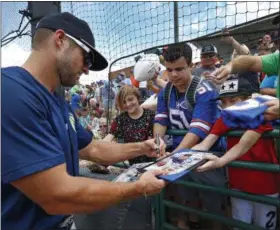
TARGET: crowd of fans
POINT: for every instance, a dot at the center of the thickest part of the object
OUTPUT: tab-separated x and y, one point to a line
139	109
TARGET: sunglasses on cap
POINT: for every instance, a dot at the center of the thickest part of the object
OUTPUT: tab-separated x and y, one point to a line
88	56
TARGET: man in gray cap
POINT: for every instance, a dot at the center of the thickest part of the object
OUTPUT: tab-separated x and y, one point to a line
42	138
208	57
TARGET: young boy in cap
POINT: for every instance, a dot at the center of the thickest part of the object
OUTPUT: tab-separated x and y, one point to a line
250	147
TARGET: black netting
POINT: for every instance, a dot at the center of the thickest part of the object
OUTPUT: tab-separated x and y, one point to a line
122	28
15	25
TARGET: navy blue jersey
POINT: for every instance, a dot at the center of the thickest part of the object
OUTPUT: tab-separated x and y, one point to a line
39	131
180	115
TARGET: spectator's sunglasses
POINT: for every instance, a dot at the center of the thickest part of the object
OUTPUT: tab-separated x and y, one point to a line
208	55
88	56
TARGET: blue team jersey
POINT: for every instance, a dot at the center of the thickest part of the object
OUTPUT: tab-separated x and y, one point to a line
247	114
180	115
39	131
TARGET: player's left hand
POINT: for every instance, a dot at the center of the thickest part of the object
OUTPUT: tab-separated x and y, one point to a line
212	163
149	148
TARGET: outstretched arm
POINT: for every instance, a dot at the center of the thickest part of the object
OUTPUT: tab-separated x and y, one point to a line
246	142
105	153
238	65
268	91
58	193
248	139
188	142
109	137
240	49
207	143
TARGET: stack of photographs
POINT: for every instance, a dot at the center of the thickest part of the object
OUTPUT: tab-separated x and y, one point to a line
174	166
132	173
177	164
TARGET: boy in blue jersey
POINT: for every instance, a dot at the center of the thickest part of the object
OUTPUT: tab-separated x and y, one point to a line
189	106
42	138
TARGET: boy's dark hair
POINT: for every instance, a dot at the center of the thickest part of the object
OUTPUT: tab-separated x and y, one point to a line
244	97
176	51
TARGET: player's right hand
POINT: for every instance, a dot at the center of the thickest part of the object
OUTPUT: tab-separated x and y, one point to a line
149	184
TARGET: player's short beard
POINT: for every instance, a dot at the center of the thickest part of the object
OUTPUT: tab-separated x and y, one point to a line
66	75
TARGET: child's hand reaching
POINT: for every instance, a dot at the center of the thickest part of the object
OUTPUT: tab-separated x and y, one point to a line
200	147
212	163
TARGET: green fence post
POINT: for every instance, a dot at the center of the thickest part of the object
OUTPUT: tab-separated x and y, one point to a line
157	212
210	216
162	210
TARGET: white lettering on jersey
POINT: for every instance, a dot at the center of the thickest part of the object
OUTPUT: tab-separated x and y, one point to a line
182	122
204	87
201	90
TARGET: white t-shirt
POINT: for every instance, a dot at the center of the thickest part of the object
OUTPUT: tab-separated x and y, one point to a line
95	124
127	81
142	84
97	92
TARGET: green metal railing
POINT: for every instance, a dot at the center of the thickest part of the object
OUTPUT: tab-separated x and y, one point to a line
161	203
236	133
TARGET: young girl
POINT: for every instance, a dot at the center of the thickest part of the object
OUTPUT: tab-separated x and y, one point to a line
134	124
250	147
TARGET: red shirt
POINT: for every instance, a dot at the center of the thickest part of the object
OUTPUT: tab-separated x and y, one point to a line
248	180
